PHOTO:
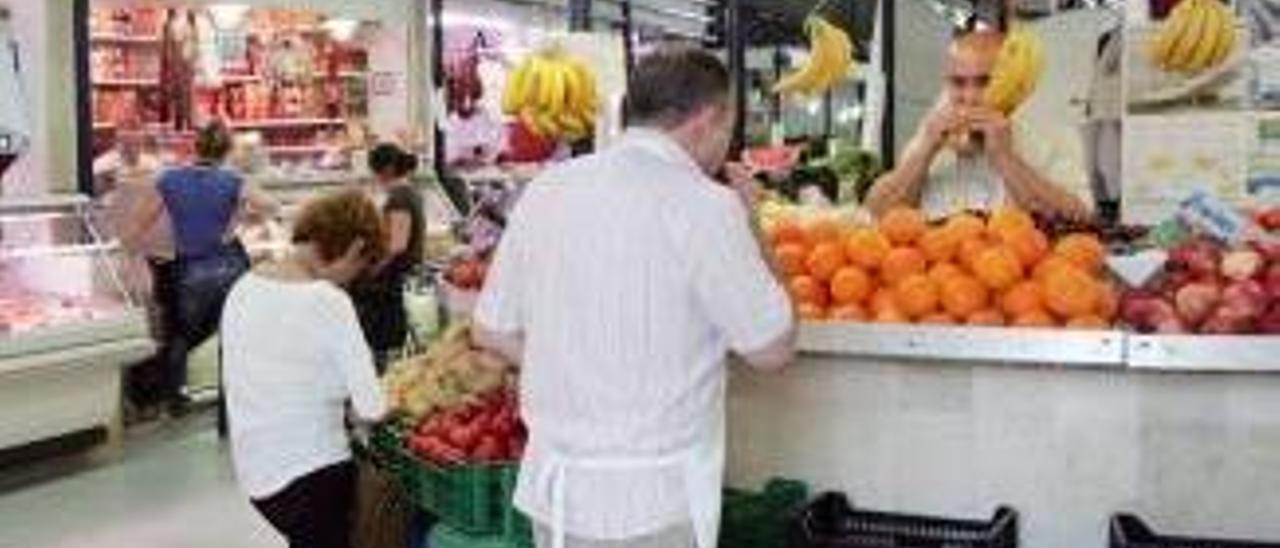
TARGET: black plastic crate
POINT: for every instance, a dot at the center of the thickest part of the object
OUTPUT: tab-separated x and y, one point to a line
831	521
1129	531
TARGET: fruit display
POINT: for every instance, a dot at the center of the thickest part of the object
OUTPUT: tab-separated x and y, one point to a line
1017	71
554	94
830	60
1197	35
963	270
1209	288
451	374
485	431
467	273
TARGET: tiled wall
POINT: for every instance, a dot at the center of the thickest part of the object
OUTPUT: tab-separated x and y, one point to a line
1067	448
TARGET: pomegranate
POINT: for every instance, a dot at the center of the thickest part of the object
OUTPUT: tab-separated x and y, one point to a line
1196	301
1199	256
1248	297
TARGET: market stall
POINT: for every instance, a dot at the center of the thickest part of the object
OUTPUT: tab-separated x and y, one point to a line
67	323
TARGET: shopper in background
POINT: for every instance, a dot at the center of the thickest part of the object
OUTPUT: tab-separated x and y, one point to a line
622	281
379	296
293	356
133	169
204	203
967	156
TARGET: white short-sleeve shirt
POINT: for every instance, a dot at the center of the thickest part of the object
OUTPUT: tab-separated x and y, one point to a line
630	275
959	182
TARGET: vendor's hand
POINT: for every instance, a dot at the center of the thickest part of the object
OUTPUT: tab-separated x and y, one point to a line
943	119
995	128
741	178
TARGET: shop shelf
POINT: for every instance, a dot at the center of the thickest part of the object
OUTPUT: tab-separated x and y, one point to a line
1223	353
474	499
1129	531
759	519
831	522
272	123
967	344
127	82
299	149
111	38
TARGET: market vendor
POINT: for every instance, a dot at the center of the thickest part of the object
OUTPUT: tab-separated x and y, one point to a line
968	156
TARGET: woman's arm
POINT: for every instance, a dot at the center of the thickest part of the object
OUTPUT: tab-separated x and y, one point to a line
146	214
355	361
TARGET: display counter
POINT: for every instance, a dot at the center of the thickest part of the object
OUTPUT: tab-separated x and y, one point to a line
1066	427
67	324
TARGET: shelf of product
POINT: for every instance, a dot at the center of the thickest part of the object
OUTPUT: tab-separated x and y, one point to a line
276	72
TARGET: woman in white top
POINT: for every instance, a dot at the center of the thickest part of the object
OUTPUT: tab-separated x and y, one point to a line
294	355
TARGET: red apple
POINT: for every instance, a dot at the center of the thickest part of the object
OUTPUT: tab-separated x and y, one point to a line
1199	256
1195	301
1269	323
1248	297
1241	264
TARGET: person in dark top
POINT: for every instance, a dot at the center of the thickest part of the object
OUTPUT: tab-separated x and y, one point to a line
205	202
379	297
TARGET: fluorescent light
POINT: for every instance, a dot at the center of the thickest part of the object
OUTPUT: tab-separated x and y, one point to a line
455	19
228	16
341	29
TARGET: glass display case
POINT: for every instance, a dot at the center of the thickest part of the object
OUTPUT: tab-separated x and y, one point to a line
67	322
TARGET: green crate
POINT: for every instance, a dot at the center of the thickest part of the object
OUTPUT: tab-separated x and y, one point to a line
759	519
472	499
447	537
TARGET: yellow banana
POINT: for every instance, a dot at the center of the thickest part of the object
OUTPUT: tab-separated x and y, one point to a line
513	94
534	82
1168	33
831	54
551	94
1227	41
1204	50
1197	30
1017	70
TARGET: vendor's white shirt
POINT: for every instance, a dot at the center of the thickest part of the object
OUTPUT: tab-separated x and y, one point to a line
15	128
959	182
629	274
293	355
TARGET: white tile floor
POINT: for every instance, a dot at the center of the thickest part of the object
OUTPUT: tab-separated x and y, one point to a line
172	488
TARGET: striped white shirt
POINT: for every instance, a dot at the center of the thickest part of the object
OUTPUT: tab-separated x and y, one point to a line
630	275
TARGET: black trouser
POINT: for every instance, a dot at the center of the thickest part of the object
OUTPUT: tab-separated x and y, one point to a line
172	360
315	510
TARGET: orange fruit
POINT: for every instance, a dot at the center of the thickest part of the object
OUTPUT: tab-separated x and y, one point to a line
891	315
882	300
823	230
1049	265
900	263
850	285
998	267
1030	245
1035	318
787	231
866	247
942	271
1071	293
1006	220
938	318
848	312
1023	298
963	295
791	258
916	295
825	259
1083	250
811	312
939	245
903	226
966	226
970	249
805	289
987	317
1089	321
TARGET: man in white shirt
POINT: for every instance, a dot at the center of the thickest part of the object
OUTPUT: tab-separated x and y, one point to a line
967	155
621	283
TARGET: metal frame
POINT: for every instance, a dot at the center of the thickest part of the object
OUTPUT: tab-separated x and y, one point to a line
84	96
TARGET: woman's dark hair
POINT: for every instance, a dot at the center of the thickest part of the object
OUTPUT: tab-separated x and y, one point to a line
389	159
672	83
213	142
334	221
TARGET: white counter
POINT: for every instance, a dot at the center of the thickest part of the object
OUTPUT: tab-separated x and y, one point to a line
1066	445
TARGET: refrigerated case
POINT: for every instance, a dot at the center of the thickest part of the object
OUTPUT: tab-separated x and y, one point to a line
67	323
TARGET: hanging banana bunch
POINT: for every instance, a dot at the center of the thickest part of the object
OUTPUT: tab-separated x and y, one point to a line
1197	34
1018	68
830	60
554	94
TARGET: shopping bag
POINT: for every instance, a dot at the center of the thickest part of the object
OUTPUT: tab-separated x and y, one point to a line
383	518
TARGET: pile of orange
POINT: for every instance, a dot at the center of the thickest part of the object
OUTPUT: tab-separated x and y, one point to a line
962	271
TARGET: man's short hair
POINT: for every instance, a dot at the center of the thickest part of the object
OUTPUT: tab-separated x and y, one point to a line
672	83
213	142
